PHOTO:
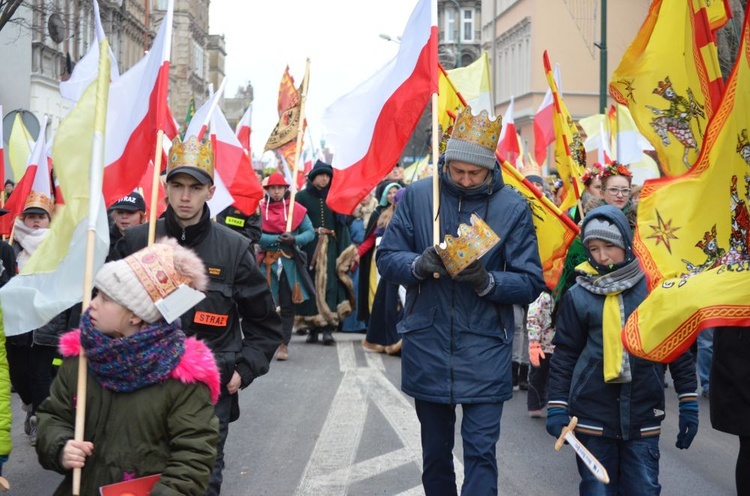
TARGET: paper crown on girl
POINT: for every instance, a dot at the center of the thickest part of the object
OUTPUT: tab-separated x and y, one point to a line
38	203
191	157
161	280
472	242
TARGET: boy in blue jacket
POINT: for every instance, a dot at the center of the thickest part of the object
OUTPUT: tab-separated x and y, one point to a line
618	398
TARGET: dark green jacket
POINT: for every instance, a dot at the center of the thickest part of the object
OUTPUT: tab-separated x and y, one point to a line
168	428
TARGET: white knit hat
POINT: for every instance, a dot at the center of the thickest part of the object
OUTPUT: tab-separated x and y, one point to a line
148	276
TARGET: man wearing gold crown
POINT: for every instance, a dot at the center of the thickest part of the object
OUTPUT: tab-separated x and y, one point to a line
457	332
238	318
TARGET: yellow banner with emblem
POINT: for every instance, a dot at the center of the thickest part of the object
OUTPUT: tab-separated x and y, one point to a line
693	234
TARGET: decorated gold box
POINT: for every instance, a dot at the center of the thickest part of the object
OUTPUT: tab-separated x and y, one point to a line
472	242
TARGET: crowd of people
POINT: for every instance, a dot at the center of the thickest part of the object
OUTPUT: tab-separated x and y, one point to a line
470	339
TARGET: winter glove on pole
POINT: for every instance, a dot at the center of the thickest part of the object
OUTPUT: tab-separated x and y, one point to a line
557	418
427	264
688	423
536	354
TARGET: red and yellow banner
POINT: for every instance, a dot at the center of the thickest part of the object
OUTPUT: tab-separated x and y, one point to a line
570	155
669	78
554	230
693	235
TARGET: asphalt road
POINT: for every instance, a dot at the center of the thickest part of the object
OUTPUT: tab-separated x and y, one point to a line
332	421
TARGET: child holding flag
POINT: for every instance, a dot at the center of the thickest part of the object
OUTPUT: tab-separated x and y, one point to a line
150	390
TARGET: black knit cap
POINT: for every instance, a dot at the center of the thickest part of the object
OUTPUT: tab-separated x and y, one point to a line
320	167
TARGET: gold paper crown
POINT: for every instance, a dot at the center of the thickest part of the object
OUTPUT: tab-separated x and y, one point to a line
154	268
663	85
479	130
531	169
191	153
39	200
472	242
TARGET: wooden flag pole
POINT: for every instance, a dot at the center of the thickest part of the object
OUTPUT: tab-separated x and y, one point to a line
155	188
435	176
96	173
298	147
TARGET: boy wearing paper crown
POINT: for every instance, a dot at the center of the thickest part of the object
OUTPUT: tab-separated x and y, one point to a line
281	263
457	331
150	389
618	398
238	318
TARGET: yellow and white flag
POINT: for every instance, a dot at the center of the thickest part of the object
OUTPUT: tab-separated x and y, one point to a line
53	278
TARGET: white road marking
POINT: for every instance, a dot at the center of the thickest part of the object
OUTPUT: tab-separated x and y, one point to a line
331	469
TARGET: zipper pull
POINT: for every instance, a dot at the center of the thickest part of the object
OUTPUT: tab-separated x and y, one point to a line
183	234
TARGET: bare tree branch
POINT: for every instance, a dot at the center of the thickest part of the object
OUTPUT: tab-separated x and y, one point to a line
7	9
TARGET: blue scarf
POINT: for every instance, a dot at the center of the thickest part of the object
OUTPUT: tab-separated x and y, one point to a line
131	363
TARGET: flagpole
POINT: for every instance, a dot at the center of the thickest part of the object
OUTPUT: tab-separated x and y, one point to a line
96	172
435	175
155	188
298	145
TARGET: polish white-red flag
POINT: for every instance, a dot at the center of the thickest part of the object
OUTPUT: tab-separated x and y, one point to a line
233	165
136	110
146	185
544	129
369	127
244	129
86	69
36	178
507	145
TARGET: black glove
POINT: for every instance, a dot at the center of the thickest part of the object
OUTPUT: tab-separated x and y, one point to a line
476	275
286	238
429	263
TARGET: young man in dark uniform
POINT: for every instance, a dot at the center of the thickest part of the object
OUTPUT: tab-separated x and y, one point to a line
237	289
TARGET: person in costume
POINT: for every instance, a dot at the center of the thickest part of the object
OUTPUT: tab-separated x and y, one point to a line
150	389
618	398
280	260
386	308
30	355
355	322
329	258
592	183
128	211
238	318
457	332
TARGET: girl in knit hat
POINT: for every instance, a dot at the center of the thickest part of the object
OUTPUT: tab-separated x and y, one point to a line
150	390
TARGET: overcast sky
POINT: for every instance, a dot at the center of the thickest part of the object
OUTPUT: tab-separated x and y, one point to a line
341	38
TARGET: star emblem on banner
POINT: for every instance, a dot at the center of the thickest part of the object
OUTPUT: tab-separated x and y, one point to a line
663	232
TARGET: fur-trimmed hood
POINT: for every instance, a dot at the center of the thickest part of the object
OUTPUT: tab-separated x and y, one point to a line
197	364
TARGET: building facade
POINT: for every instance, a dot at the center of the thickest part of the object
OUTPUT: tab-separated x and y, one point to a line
517	32
459	32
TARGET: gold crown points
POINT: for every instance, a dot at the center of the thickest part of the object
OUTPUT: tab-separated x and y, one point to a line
191	153
477	129
472	242
39	200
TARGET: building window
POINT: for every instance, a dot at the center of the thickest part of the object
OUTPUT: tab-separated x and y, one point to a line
450	26
467	25
198	59
513	57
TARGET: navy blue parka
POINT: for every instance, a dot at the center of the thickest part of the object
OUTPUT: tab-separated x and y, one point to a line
457	345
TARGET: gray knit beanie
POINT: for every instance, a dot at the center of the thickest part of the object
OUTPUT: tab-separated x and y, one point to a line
463	151
604	230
